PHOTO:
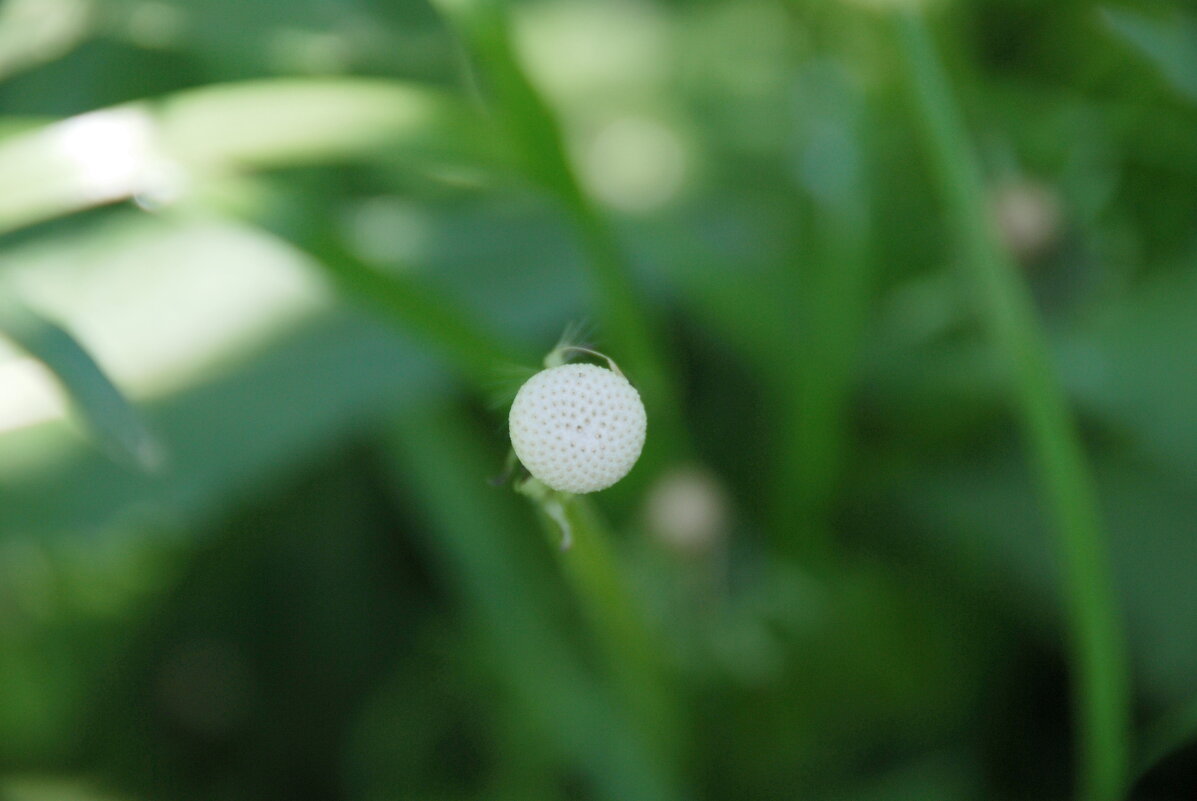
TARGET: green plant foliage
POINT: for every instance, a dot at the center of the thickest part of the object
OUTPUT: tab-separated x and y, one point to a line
106	412
906	288
1169	43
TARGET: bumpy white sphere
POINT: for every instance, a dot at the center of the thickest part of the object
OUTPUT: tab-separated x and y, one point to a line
578	427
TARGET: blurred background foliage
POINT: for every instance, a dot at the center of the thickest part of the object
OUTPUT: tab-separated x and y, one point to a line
269	274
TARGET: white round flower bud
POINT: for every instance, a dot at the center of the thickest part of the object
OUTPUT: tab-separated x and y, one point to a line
578	427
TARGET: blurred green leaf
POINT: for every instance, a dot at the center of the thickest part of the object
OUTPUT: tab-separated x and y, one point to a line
36	31
274	616
482	543
107	413
227	437
616	617
940	777
1131	364
1101	695
828	290
281	122
974	511
1169	734
53	788
156	151
482	353
1168	43
538	136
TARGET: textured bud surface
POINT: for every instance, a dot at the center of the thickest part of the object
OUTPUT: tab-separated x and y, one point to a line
578	427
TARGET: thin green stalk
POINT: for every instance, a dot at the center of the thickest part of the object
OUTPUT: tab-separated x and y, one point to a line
629	652
112	419
815	393
479	354
1101	694
536	134
476	538
630	330
825	292
626	645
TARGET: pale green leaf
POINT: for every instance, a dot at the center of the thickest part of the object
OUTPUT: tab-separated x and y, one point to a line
1170	44
157	151
106	412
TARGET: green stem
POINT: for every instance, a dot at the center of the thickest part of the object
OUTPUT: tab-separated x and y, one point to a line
479	354
111	418
626	645
479	541
629	333
815	393
630	648
1101	697
476	352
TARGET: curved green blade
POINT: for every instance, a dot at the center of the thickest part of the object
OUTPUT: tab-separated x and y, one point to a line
105	411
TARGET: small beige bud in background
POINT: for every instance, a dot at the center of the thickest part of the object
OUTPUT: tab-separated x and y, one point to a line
1028	218
687	511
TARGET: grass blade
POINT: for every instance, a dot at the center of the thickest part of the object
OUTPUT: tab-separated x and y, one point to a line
1098	650
629	649
1169	44
156	149
475	536
108	415
483	356
830	289
537	137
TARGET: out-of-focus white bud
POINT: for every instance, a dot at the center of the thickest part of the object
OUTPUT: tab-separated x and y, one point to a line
1027	216
687	510
634	164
